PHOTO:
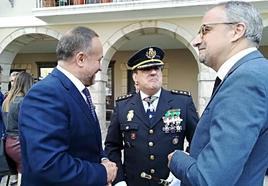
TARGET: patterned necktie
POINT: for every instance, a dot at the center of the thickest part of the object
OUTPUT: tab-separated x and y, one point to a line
150	110
216	84
89	103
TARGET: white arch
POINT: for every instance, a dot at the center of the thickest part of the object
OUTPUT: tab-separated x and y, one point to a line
12	44
25	31
112	44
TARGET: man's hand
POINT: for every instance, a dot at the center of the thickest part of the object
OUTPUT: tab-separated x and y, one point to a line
111	170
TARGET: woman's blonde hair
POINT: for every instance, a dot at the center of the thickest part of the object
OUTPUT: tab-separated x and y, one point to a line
22	84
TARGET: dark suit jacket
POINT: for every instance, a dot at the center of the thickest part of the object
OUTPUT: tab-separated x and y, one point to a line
2	126
230	143
60	142
146	145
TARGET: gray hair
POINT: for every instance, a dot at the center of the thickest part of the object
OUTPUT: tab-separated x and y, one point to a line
240	11
76	40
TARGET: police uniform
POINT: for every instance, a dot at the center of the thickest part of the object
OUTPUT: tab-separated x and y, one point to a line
146	144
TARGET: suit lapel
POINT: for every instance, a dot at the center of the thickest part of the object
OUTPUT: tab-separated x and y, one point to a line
247	58
76	95
73	91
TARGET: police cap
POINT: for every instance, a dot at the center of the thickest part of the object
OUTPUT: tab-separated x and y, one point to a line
146	57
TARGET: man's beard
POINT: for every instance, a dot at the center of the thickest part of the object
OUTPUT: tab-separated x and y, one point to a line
91	81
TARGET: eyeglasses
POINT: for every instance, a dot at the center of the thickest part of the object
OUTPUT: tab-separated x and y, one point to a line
205	28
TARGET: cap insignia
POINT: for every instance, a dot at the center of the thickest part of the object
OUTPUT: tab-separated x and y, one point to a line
151	53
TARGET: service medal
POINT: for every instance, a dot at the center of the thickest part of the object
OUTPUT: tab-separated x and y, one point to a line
172	121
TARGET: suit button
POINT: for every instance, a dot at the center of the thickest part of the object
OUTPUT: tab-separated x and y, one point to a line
152	171
151	144
127	127
151	131
152	157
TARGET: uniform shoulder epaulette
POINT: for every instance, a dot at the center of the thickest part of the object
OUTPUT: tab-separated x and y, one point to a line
181	92
124	97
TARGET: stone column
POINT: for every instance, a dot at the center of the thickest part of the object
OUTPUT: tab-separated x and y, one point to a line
99	99
206	79
5	76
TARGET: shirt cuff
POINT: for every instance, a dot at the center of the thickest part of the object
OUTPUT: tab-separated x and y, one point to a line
104	158
121	183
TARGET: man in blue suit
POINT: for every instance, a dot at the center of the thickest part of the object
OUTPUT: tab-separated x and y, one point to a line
60	133
230	143
148	125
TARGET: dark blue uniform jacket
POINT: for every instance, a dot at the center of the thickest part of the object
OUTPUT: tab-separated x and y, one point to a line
146	146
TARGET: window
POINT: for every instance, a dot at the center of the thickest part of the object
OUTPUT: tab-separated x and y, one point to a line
44	68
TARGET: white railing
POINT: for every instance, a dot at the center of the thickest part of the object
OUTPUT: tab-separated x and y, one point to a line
56	3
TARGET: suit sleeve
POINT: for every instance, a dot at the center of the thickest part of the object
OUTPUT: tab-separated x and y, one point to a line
45	135
114	144
239	109
192	120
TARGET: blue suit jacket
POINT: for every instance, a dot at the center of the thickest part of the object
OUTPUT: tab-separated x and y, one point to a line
229	146
60	142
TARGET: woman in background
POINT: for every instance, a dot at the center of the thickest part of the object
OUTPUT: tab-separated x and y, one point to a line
10	113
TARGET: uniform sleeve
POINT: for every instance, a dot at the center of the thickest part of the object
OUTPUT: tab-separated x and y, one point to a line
114	144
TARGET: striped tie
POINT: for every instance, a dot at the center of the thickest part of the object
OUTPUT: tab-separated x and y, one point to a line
150	110
89	103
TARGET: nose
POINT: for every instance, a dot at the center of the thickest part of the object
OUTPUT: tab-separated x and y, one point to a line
153	71
197	40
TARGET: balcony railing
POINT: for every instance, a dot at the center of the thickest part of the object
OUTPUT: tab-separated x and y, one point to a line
57	3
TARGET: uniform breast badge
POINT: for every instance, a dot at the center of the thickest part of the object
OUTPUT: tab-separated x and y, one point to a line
130	115
172	121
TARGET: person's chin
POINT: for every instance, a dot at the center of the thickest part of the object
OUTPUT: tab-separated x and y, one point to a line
91	82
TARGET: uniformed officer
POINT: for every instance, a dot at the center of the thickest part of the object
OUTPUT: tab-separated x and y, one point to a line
149	124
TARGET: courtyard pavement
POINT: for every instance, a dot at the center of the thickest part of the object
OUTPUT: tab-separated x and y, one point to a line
3	183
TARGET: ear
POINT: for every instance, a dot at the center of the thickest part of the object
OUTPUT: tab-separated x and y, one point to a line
134	77
239	31
79	58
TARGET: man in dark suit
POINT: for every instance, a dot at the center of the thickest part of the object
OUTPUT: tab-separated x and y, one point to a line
60	133
148	125
229	146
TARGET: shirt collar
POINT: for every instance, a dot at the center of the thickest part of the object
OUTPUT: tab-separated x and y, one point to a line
143	95
78	84
224	69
